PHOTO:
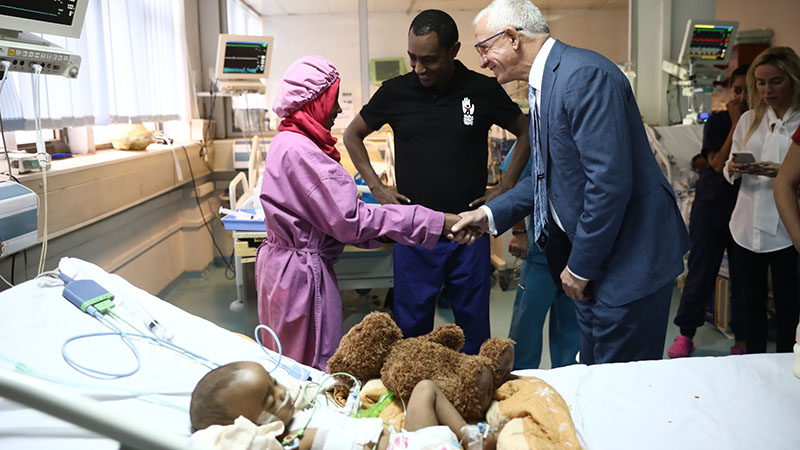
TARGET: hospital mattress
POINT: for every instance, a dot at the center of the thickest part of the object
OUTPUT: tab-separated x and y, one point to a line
734	402
36	320
729	402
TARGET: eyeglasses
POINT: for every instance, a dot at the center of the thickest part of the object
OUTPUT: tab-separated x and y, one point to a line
481	46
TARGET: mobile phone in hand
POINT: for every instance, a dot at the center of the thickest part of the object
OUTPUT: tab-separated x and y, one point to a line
743	158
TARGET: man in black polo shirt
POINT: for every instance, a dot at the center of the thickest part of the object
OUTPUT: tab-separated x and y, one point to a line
440	114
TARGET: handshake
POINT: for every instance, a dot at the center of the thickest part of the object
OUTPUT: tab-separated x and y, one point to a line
465	227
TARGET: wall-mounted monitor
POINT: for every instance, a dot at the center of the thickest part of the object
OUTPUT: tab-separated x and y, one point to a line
242	57
707	42
61	18
382	69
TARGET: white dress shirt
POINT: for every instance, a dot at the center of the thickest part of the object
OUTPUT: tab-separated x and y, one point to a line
535	81
755	224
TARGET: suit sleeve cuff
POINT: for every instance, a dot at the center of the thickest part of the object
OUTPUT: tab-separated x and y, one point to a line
490	219
576	275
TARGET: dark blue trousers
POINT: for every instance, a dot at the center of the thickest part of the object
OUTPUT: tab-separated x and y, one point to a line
464	270
634	331
710	238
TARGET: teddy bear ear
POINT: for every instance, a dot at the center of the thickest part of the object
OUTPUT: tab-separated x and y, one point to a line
364	348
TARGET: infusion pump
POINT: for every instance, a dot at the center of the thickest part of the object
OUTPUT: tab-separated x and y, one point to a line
54	60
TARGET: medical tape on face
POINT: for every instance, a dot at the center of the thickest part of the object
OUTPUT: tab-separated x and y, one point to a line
267	417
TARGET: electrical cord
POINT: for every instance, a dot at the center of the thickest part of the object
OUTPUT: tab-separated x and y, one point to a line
126	338
5	65
41	152
6	281
352	405
294	370
209	115
93	299
227	262
290	441
25	261
230	269
177	350
92	311
5	149
264	349
108	390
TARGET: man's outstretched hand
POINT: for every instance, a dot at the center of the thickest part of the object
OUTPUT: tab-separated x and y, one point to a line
449	220
470	227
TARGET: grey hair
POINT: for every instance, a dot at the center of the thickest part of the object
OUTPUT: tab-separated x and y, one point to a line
520	14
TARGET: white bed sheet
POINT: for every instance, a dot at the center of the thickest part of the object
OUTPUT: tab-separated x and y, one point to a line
37	320
731	402
681	143
735	402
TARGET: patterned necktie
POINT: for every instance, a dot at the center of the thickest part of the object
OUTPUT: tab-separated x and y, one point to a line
539	171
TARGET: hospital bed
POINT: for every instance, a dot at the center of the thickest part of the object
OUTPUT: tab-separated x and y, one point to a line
746	402
674	147
35	322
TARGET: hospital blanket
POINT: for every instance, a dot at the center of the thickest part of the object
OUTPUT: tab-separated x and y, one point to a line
36	320
730	402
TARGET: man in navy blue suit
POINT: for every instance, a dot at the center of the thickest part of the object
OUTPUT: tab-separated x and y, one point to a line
607	218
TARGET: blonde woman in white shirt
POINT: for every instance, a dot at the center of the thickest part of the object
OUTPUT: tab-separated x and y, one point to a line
761	239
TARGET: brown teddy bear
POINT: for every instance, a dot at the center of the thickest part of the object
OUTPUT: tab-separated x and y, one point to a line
376	348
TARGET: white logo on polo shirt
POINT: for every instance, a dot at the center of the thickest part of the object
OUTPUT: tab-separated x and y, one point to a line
469	111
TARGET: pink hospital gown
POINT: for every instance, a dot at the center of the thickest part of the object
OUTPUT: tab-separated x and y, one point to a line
312	211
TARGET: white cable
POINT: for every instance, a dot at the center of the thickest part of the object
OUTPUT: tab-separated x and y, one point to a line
6	281
42	154
6	65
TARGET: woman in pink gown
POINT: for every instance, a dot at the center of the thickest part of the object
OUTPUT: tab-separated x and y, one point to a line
312	210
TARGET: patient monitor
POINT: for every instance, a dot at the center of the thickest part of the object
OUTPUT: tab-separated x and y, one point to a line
20	19
706	43
242	61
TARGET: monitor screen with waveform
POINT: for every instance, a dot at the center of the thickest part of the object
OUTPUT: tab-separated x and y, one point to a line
245	57
710	43
59	12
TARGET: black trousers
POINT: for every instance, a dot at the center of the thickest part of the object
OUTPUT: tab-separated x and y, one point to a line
751	273
710	238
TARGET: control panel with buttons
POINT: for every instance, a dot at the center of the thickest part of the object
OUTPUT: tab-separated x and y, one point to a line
54	61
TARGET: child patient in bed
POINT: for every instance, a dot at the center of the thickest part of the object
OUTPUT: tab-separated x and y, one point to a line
239	405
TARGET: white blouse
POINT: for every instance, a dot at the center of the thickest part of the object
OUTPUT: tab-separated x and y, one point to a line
755	224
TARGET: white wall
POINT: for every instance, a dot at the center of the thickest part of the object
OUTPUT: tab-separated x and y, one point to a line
781	16
682	12
333	36
602	30
336	37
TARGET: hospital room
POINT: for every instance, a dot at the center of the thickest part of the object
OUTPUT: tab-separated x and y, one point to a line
399	224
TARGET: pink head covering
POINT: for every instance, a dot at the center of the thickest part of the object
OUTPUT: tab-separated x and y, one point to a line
303	82
305	98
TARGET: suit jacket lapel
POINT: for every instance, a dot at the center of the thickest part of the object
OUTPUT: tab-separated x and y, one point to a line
548	80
